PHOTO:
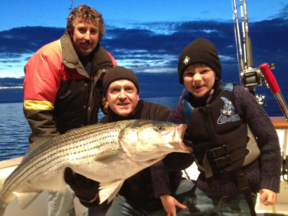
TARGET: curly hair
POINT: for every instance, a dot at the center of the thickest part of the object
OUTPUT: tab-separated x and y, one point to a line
86	13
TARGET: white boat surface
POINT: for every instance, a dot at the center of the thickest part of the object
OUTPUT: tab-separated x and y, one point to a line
39	206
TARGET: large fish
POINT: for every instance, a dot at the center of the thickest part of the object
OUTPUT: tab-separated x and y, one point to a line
108	153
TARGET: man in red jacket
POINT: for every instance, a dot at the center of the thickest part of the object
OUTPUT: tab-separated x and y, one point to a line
63	86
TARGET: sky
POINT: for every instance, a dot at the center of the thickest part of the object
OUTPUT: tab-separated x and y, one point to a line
146	35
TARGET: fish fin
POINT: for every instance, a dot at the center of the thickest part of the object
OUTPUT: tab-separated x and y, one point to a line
25	199
109	190
107	156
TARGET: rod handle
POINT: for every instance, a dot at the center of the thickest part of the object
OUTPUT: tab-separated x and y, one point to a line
269	77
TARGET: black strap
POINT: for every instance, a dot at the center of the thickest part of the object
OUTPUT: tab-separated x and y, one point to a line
243	185
226	149
228	159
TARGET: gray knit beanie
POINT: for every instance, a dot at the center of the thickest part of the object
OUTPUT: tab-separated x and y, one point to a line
199	51
118	73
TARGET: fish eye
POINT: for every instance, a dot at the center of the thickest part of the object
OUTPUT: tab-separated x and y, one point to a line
159	128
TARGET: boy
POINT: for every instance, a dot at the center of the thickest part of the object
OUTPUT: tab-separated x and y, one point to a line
218	115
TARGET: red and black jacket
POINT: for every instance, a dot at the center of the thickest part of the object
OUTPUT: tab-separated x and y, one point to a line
59	95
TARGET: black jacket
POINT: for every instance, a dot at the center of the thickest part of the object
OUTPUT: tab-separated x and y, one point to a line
145	187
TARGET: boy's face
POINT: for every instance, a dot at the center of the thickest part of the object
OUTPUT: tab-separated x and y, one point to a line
122	97
199	80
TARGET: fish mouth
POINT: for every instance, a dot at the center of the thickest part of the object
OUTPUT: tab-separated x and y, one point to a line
181	128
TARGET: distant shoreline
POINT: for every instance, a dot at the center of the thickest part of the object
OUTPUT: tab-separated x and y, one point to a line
5	102
11	87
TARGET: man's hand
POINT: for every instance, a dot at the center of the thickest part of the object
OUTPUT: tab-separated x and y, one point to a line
85	189
170	203
268	197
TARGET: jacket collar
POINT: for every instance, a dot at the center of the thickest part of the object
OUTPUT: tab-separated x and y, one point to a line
136	114
69	56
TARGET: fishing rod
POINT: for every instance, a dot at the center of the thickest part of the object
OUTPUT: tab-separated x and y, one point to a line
70	9
251	77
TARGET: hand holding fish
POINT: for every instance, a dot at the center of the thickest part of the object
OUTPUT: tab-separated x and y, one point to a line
85	189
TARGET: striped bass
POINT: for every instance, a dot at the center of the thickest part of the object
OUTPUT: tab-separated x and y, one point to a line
108	153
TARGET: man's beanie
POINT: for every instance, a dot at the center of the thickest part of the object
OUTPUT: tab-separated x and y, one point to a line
199	51
118	73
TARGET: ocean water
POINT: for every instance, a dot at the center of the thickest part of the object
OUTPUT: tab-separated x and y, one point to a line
14	129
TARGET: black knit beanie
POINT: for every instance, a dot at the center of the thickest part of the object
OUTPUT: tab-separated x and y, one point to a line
118	73
199	51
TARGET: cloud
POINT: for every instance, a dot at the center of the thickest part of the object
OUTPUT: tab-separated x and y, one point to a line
283	13
155	46
27	39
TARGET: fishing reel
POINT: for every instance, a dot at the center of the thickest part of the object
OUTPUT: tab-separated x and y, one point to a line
250	78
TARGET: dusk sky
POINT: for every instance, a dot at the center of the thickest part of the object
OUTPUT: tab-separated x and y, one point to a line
147	35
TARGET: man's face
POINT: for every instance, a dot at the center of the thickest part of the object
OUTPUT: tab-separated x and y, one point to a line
122	97
85	37
199	80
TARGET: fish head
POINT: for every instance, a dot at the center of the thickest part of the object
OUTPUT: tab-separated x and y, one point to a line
149	140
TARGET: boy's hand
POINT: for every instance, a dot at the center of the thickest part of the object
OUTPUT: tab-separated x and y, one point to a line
268	197
170	203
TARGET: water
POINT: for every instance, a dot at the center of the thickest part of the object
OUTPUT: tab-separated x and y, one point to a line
14	129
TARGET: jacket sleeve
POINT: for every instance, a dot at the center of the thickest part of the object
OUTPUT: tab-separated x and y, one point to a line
267	139
41	83
160	179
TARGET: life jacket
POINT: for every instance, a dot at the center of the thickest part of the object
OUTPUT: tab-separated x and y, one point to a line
224	142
